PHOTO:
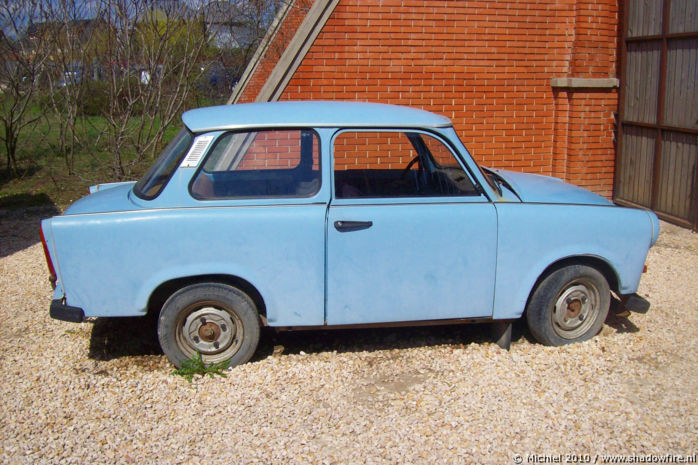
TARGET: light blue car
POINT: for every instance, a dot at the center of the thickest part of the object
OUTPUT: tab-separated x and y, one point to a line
333	214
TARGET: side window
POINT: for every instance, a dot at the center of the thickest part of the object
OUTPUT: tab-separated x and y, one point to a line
266	163
374	164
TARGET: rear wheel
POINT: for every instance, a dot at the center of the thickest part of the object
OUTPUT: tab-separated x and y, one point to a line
216	320
569	305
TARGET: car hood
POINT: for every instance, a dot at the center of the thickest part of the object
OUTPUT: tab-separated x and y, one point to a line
536	188
108	198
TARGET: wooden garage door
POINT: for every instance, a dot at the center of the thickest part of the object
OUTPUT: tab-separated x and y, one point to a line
658	132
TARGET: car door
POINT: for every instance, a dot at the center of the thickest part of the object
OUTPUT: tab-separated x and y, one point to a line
260	216
409	235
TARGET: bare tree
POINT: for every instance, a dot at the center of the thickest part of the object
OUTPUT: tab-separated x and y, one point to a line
235	29
70	29
23	54
139	62
152	54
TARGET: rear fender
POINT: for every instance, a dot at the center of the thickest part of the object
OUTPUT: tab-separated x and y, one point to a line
50	251
193	272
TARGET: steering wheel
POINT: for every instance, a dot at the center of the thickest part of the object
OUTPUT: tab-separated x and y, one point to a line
408	167
420	179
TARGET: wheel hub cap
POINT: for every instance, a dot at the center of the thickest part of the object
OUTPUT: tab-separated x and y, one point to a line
575	310
209	330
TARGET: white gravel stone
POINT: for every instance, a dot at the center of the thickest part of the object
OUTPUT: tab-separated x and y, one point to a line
99	392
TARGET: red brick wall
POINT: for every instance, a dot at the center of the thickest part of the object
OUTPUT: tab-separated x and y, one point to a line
590	141
372	150
485	64
386	150
271	150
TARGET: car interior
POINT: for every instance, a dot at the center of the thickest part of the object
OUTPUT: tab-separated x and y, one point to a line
422	176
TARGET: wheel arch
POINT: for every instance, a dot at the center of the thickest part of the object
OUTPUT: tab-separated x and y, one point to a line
599	264
161	293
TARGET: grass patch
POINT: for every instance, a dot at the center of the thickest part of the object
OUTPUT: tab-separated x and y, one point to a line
44	177
196	366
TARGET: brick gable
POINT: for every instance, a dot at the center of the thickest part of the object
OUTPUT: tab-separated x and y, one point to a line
487	65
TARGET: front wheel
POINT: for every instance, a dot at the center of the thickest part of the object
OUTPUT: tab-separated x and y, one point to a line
569	305
218	321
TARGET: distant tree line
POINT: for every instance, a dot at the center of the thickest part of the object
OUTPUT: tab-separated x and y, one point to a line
133	65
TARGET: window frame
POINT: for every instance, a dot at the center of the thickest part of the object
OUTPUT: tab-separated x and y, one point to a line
220	137
477	195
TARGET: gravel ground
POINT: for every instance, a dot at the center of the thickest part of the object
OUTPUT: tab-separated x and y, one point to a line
101	391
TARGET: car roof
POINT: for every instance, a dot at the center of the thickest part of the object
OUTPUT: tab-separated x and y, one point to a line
310	114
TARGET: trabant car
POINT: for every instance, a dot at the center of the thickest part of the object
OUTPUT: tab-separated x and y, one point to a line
333	214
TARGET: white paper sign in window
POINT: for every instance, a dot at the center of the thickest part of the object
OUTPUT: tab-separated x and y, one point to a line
197	150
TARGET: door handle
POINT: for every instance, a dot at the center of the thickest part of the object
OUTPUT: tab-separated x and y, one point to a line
348	226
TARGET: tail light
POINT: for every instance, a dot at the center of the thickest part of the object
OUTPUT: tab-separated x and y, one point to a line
51	270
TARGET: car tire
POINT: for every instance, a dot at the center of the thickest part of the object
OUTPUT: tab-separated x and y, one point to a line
218	321
569	305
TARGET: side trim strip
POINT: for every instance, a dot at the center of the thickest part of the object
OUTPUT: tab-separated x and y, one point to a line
394	324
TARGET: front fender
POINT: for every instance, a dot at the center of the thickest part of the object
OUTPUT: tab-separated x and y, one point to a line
534	236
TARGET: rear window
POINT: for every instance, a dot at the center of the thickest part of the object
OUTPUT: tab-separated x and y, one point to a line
160	173
260	164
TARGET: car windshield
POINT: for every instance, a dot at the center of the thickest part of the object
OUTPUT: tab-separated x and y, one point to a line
160	173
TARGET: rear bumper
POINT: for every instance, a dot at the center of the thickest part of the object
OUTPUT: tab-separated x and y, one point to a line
60	311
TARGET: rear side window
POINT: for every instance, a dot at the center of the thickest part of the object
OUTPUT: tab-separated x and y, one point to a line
263	164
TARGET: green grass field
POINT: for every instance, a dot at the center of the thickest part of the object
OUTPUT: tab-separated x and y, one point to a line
44	177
